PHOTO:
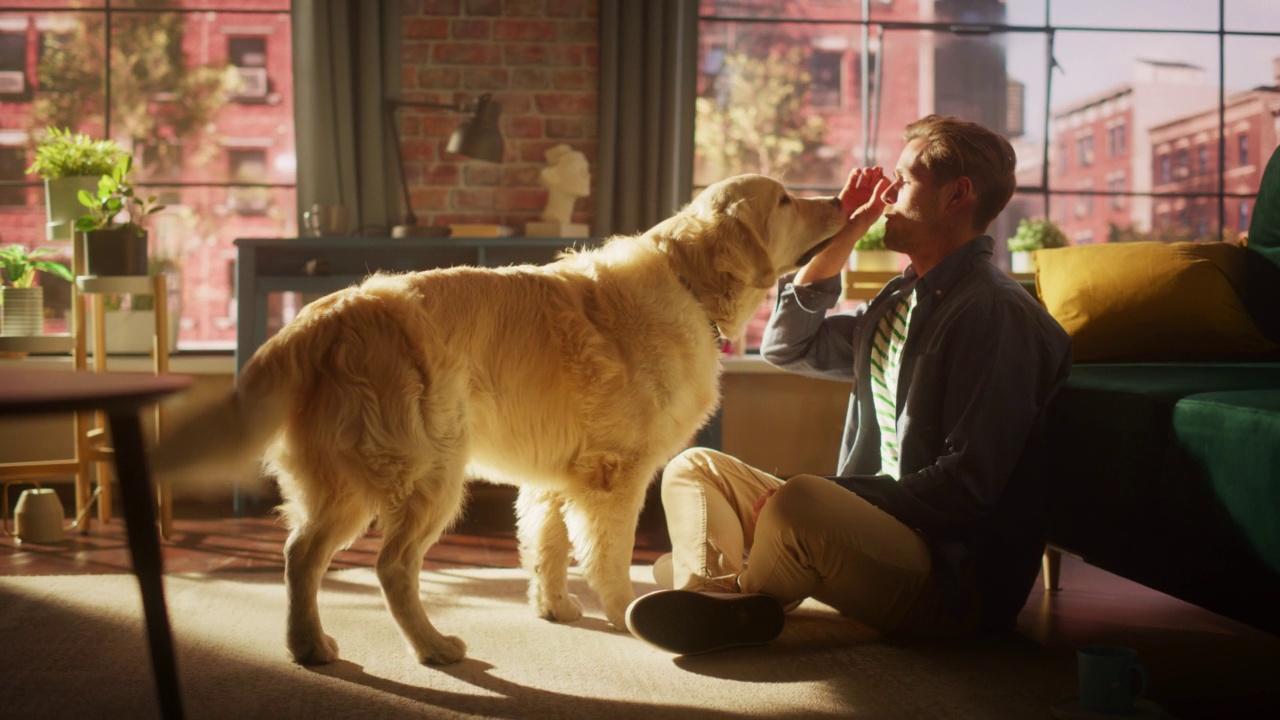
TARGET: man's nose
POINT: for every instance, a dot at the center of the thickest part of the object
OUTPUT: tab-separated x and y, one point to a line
890	194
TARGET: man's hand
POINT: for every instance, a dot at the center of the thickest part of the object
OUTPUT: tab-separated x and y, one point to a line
862	201
862	198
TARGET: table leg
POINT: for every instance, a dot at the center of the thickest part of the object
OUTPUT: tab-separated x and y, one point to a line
144	546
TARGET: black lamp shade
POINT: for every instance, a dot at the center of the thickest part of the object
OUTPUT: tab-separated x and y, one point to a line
478	136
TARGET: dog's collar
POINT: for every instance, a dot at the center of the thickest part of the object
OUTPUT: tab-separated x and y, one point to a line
718	336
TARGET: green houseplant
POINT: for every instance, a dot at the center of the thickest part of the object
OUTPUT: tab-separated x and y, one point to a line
22	299
1033	234
113	246
870	254
68	163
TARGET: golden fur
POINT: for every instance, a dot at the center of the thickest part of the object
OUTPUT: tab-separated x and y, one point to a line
575	381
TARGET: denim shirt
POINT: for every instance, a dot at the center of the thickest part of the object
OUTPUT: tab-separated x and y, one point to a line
982	360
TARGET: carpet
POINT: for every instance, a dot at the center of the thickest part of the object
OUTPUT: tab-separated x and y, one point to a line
75	648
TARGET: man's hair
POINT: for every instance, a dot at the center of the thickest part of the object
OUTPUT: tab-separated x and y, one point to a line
955	147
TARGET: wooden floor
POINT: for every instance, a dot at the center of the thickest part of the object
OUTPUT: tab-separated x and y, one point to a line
1202	665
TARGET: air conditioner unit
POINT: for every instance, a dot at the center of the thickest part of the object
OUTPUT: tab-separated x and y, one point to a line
12	82
253	82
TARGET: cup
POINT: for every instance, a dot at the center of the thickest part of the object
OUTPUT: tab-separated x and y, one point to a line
1108	676
326	220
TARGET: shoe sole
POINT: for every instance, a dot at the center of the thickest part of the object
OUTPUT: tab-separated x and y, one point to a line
691	623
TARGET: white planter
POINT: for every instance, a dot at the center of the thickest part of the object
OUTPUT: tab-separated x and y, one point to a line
874	261
23	312
62	203
129	332
1021	262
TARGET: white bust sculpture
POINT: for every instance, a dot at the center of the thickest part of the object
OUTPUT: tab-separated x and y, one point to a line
567	177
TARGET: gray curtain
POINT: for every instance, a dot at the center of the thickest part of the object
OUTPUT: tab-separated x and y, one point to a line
346	61
648	76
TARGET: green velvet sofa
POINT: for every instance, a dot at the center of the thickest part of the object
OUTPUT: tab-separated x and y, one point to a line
1168	473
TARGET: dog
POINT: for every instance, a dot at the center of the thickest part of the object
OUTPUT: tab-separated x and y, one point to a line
575	380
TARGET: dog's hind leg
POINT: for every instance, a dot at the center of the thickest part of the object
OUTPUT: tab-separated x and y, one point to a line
316	535
602	527
545	552
409	528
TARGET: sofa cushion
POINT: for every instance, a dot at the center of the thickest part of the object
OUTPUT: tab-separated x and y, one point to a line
1225	463
1151	301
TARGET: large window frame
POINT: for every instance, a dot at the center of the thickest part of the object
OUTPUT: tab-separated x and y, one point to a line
867	25
197	183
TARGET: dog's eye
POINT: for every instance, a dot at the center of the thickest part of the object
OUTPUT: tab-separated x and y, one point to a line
784	200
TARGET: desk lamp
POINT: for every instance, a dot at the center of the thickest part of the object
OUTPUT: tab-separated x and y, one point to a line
477	137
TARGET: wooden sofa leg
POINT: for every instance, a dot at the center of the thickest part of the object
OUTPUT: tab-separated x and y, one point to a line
1051	563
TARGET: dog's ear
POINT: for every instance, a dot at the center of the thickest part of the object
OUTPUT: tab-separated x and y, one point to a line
738	250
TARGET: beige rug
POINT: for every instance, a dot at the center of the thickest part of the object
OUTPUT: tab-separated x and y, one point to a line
74	647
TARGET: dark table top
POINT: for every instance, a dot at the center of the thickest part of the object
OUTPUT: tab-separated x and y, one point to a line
31	392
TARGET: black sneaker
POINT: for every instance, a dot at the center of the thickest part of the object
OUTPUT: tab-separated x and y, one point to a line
687	622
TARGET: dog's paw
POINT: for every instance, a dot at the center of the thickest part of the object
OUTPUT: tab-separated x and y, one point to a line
566	608
314	652
448	649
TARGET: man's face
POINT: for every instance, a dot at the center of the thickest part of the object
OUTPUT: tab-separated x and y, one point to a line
914	203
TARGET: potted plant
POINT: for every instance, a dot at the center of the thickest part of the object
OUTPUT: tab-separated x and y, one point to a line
22	300
869	253
1032	235
69	163
112	246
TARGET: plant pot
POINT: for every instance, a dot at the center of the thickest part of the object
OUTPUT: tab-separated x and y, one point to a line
118	251
874	260
62	204
130	332
23	312
1021	262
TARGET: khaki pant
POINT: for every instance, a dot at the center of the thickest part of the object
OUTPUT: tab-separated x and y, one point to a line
814	539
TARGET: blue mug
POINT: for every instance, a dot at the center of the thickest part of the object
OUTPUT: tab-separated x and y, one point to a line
1107	679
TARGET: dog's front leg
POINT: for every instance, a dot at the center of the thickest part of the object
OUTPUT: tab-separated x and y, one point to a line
602	526
544	553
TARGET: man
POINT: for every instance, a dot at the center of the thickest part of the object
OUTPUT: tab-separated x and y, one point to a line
935	522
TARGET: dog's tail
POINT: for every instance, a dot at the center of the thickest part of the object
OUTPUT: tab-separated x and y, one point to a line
222	442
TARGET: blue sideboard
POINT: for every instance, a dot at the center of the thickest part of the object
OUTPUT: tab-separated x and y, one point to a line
320	265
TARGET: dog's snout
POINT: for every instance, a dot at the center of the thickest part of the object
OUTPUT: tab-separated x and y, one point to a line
834	201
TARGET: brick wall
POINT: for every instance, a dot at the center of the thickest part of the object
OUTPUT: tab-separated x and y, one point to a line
536	57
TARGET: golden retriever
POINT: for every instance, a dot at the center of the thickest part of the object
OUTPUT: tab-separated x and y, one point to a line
574	380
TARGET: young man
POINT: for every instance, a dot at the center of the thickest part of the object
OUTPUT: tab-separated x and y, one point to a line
935	521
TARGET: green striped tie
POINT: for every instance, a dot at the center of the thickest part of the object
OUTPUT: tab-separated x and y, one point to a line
886	361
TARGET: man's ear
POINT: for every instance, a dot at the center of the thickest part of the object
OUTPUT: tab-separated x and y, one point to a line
962	192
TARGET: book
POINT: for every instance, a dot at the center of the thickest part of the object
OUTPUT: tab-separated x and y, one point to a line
478	230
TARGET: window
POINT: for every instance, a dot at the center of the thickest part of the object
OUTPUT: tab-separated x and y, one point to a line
827	83
222	162
248	56
1161	72
1116	184
1242	223
1243	143
1084	149
13	163
1117	143
13	64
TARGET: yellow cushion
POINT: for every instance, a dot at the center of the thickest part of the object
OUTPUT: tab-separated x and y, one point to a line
1149	300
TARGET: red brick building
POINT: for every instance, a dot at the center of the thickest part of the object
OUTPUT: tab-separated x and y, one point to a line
1185	159
1103	144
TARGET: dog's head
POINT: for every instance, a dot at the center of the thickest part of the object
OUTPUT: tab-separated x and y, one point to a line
735	240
